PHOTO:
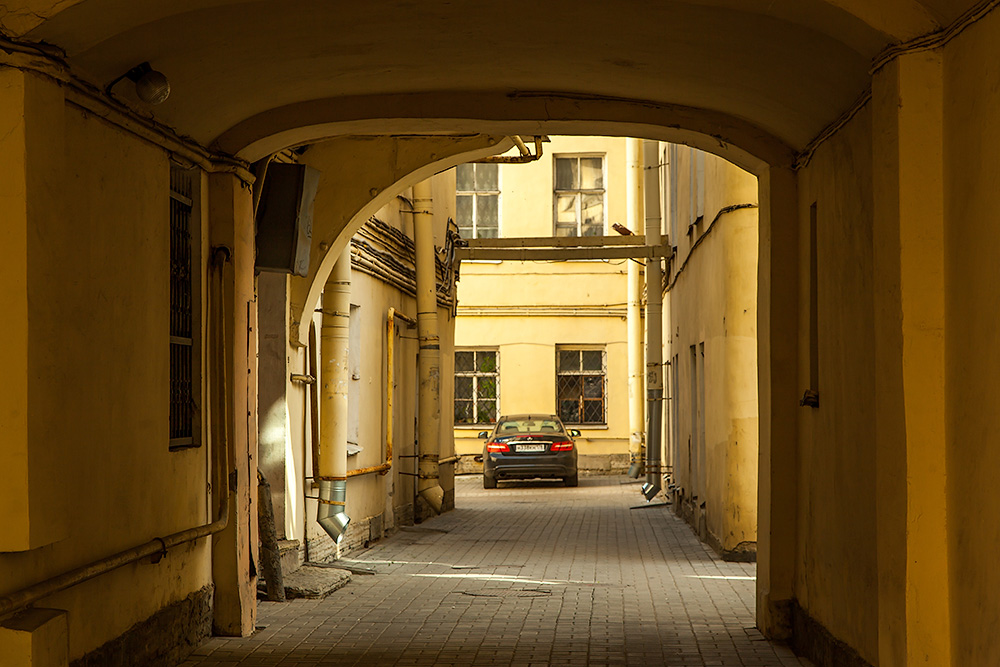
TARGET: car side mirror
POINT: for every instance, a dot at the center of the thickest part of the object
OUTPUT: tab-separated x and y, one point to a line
573	433
484	434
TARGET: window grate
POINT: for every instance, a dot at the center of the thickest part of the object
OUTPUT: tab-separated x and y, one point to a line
581	386
182	411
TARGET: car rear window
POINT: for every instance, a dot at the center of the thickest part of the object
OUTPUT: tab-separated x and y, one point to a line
517	426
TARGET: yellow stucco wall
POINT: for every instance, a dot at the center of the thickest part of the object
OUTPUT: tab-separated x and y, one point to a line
836	575
712	303
972	357
97	364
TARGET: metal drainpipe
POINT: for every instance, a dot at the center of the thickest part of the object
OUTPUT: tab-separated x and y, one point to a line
654	347
429	359
634	188
654	217
334	378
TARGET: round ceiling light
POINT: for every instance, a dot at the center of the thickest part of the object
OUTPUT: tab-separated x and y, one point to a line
152	87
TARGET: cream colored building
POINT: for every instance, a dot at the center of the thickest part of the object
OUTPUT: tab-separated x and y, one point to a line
710	343
545	337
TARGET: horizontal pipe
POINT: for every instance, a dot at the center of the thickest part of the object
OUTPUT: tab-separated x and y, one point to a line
157	547
451	459
383	468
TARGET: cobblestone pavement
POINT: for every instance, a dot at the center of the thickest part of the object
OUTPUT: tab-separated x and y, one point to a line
529	574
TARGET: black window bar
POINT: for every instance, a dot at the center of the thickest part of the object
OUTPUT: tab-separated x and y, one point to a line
182	402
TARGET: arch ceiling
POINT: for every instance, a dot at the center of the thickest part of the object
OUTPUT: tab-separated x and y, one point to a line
786	67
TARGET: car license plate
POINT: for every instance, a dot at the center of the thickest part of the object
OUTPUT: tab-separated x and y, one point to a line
530	448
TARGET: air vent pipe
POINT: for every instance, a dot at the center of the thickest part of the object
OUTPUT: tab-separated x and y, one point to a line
429	358
334	377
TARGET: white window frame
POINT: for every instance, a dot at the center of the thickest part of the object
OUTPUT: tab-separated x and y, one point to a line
579	192
476	375
476	194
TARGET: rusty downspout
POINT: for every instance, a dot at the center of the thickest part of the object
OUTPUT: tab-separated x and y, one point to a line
158	547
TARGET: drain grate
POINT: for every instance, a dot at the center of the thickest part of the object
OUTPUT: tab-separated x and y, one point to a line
508	593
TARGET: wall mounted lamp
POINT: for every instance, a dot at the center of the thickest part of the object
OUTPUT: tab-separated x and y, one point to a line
151	86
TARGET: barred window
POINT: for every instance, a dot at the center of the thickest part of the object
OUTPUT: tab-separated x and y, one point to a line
182	312
477	200
477	386
579	196
580	383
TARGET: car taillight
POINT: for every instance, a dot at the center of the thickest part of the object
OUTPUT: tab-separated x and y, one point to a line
497	447
564	446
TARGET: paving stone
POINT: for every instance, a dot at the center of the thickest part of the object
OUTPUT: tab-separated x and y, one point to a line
527	574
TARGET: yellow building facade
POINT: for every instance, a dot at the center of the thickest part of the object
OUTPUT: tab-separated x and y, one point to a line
523	317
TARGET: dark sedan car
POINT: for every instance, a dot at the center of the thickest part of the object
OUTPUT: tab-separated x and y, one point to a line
529	446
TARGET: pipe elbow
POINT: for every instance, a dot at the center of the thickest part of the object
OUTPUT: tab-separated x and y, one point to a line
331	515
650	489
434	496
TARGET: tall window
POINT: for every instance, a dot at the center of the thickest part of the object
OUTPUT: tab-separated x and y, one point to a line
183	384
477	390
580	383
579	196
477	200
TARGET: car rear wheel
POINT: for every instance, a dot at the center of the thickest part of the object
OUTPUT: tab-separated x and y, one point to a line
572	481
489	482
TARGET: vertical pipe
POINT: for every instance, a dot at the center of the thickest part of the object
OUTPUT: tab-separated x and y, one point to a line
334	336
653	217
313	402
429	359
654	359
634	207
390	378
